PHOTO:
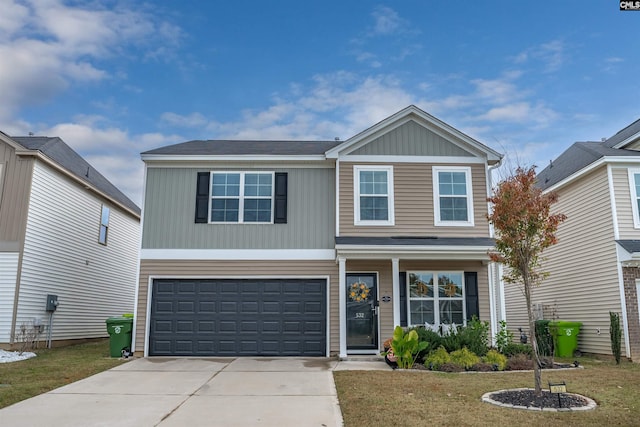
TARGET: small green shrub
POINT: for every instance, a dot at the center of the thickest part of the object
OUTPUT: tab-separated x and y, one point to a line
474	336
519	362
432	338
437	358
503	337
464	358
514	349
616	335
544	338
493	357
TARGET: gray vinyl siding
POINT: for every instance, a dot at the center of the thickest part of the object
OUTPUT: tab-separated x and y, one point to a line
413	204
220	269
583	284
411	139
170	203
62	256
623	200
14	197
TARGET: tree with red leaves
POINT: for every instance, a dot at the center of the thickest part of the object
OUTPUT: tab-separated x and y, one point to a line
525	227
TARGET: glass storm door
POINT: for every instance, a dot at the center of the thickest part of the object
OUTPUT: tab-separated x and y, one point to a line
362	312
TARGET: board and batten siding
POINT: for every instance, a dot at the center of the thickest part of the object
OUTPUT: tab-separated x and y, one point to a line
62	256
14	197
243	269
8	277
583	284
170	203
623	200
413	203
411	139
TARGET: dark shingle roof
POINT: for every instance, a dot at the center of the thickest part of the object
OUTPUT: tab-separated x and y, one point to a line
630	246
237	147
623	134
576	157
58	151
416	241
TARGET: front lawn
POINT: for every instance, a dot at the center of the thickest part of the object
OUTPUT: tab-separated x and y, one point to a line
51	369
419	398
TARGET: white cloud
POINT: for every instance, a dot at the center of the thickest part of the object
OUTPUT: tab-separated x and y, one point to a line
47	45
387	21
551	54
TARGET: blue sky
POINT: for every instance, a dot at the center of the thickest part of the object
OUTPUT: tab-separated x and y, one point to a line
115	78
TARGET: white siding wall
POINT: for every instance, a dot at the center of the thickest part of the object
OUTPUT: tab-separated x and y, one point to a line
8	276
62	256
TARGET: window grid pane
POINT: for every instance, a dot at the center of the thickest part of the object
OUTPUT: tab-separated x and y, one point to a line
452	188
241	197
374	195
449	299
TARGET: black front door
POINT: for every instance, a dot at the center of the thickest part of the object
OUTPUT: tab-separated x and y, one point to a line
362	311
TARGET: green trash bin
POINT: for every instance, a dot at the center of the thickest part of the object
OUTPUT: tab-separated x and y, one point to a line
119	329
566	336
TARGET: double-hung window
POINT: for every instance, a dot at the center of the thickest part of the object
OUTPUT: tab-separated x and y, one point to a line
373	195
242	197
452	195
436	298
634	184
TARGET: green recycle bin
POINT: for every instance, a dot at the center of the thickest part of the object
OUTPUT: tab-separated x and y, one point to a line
119	329
566	336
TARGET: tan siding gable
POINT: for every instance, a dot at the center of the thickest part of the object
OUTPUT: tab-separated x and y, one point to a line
414	215
583	283
14	194
623	200
411	139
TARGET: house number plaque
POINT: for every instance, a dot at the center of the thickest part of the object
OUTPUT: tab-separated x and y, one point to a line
386	298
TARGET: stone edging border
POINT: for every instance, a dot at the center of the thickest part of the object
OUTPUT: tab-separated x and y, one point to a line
591	404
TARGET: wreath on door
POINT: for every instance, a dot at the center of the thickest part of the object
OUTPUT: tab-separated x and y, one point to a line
359	292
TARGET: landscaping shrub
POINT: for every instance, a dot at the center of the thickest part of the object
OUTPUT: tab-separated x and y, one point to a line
437	358
514	349
503	337
405	347
483	367
544	338
451	367
464	358
474	336
493	357
432	338
519	362
616	334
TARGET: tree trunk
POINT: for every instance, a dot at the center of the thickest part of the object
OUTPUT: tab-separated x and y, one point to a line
537	377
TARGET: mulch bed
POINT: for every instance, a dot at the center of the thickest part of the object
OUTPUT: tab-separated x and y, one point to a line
527	398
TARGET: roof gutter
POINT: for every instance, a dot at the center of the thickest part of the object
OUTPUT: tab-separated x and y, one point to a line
585	170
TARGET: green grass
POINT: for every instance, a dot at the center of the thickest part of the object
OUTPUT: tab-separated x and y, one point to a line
419	398
52	368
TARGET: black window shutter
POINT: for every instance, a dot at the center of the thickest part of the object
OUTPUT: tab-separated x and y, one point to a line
471	294
403	298
280	199
202	198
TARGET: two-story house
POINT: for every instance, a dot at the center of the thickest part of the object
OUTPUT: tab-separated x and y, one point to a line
314	248
594	267
65	231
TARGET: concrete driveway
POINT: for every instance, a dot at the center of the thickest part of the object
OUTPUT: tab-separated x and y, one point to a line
194	392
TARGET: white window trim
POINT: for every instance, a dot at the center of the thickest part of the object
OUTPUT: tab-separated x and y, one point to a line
241	197
436	196
632	191
356	195
106	226
436	297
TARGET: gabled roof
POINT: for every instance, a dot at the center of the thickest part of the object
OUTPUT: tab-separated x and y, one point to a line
577	157
248	148
426	119
61	154
625	136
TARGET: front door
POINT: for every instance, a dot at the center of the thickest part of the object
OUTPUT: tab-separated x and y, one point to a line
362	312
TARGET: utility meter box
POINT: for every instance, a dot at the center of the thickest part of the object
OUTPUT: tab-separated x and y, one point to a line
52	302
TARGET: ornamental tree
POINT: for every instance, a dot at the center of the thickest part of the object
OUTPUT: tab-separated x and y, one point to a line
525	227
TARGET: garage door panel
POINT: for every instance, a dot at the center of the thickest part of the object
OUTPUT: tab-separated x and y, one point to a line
238	317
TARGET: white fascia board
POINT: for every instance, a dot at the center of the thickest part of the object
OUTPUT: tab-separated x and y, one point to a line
238	254
412	159
231	158
480	253
628	141
585	170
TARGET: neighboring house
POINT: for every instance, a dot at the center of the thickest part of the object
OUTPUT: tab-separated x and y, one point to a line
594	267
314	248
67	231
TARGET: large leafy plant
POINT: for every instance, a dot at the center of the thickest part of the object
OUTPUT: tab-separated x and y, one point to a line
406	346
